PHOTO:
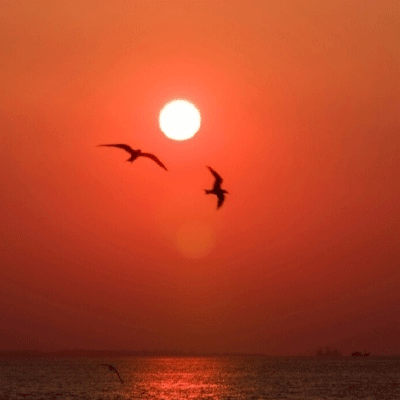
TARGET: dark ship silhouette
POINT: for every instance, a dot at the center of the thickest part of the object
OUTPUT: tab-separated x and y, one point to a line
358	354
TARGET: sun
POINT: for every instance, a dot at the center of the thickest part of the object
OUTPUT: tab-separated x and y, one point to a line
179	120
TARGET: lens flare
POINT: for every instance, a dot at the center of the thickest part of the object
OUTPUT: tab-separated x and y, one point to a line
195	239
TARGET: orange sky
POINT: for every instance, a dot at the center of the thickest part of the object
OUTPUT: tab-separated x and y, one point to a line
300	110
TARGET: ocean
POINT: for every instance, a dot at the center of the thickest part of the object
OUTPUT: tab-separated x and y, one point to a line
220	378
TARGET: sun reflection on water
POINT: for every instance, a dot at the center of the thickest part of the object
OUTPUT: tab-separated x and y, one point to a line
182	378
199	378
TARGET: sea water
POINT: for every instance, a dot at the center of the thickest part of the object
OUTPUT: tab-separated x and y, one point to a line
222	378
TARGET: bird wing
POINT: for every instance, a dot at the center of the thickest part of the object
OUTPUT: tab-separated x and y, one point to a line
218	179
154	158
115	370
112	368
118	376
221	198
121	146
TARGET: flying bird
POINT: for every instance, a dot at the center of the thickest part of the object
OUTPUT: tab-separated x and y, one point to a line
220	193
136	153
112	368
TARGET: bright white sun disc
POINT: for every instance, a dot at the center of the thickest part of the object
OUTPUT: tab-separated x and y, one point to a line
179	120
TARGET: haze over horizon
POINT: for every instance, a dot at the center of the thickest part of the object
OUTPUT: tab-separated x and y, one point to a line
299	106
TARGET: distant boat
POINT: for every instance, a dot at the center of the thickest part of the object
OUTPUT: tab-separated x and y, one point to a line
358	354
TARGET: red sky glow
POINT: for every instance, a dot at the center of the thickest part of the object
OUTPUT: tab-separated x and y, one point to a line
300	112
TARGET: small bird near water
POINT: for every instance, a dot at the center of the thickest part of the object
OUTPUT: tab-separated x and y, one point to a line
220	193
112	368
136	153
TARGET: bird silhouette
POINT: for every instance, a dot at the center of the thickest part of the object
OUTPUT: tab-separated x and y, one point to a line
220	193
136	153
112	368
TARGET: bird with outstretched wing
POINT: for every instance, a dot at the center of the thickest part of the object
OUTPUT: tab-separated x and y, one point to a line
135	153
217	190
